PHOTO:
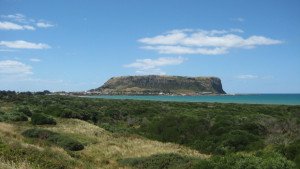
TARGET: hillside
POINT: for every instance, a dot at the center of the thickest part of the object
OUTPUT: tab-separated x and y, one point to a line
155	84
102	149
61	132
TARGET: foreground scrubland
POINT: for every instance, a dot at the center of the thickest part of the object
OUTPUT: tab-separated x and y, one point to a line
46	131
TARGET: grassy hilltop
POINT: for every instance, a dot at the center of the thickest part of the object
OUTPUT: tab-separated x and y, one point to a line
44	131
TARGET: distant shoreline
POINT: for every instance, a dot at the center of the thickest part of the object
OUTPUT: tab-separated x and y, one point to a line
277	99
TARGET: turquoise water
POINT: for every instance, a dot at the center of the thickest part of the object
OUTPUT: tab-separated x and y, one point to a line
288	99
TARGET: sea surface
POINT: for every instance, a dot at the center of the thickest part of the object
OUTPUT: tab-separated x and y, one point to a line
287	99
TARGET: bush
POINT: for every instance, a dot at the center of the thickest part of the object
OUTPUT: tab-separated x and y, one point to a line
179	129
2	116
55	138
25	110
292	152
13	116
39	119
66	142
254	128
260	160
163	161
238	140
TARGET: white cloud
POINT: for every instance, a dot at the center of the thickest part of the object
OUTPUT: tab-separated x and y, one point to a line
34	60
239	19
18	18
44	25
212	42
252	77
247	76
14	68
236	30
157	71
186	50
13	26
20	44
153	66
28	27
22	23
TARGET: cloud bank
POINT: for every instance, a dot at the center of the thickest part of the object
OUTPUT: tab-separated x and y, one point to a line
21	22
14	68
44	25
14	26
153	66
247	76
203	42
21	44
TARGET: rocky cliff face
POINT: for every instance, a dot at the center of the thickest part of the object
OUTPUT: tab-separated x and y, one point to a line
155	85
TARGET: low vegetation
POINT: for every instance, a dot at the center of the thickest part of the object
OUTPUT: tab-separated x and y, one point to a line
149	134
259	160
40	119
25	110
172	161
13	116
58	139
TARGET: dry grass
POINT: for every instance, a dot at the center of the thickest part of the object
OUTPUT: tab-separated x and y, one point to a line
103	149
13	165
106	148
7	128
8	132
6	107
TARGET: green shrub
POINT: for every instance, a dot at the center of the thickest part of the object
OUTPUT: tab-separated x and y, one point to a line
261	160
55	138
39	119
25	110
2	116
162	161
238	140
254	128
66	142
179	129
292	151
222	136
13	116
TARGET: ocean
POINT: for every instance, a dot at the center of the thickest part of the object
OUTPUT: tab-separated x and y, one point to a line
284	99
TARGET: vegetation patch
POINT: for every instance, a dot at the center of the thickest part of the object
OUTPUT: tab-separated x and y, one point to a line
291	151
162	161
213	136
25	110
259	160
16	153
55	138
231	133
40	119
13	116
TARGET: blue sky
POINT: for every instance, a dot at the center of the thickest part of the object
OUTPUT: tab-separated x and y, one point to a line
253	46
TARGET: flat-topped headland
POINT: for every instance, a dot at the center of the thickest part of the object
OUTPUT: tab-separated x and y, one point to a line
160	85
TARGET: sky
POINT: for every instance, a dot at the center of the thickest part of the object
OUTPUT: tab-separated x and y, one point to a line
56	45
